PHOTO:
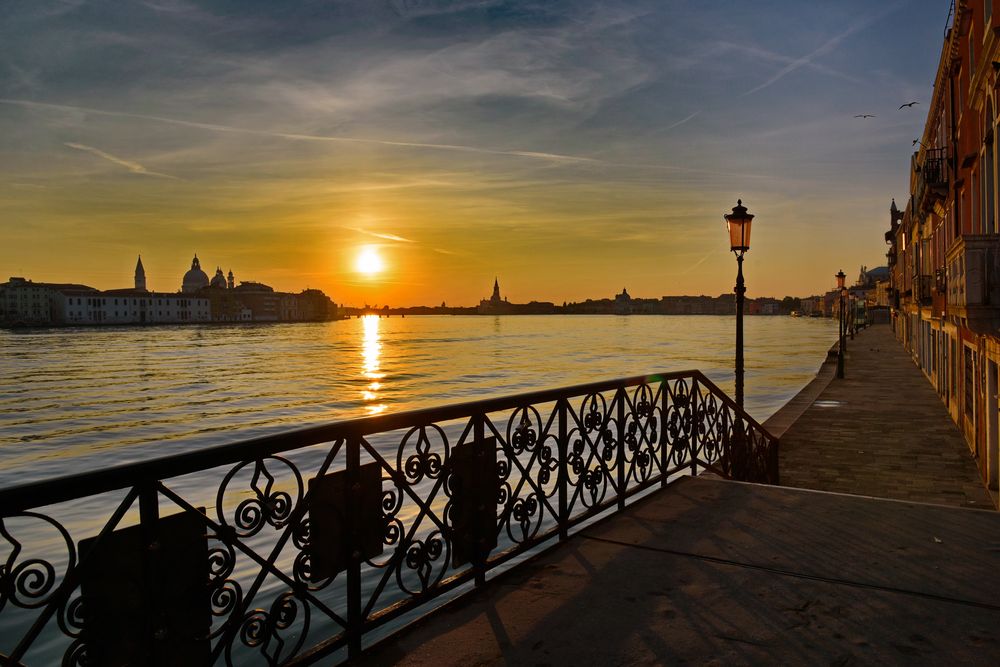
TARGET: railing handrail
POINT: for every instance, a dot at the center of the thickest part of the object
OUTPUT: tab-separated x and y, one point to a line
67	487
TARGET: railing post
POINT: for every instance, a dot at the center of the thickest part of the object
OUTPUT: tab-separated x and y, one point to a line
149	517
562	408
479	560
663	433
693	436
353	461
621	447
737	448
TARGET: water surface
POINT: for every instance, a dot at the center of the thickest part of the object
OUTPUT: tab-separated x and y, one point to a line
77	399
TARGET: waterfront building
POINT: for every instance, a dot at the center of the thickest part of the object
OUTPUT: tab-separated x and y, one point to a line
27	303
944	246
724	304
623	303
495	305
200	300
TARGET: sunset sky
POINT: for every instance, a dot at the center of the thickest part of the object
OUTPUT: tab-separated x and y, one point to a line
569	147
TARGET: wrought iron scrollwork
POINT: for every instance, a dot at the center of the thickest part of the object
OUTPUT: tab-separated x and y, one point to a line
225	593
270	505
428	453
276	633
31	582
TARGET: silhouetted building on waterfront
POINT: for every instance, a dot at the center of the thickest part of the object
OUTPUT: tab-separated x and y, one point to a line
26	303
495	305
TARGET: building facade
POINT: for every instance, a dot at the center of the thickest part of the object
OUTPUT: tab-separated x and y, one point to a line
200	300
944	245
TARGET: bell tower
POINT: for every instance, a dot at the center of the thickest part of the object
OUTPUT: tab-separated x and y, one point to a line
140	276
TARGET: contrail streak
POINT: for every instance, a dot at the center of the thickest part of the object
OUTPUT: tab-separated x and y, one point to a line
134	167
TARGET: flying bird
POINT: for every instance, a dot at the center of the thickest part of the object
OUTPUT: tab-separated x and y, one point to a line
865	115
908	104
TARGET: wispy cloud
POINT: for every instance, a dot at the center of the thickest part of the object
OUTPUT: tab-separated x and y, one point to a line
681	121
380	235
700	262
771	56
828	46
295	136
131	165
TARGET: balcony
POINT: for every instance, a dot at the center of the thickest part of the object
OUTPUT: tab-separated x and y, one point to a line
923	289
932	181
939	298
973	279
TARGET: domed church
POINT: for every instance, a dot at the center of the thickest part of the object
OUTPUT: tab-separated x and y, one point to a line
195	279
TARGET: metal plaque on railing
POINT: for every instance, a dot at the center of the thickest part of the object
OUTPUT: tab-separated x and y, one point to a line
472	486
145	594
344	521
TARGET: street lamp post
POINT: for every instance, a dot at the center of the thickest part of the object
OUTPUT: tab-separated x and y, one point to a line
854	314
840	351
738	223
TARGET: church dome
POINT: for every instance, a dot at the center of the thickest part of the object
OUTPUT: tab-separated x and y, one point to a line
194	279
219	280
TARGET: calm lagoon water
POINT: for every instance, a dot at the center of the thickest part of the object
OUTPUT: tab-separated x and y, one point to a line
77	399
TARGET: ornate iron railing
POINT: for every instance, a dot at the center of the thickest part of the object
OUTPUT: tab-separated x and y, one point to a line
316	539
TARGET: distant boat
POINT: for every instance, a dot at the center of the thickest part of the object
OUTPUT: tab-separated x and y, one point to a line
795	313
815	313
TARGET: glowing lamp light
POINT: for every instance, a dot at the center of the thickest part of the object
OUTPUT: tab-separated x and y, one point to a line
739	227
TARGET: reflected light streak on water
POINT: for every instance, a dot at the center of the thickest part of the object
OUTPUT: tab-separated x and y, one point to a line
72	400
371	351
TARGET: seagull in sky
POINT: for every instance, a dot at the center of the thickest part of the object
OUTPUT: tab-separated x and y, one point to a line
908	104
865	115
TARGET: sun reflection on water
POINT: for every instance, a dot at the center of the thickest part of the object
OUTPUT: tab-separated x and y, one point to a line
371	352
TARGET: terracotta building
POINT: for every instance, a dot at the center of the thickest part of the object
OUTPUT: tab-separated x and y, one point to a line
944	246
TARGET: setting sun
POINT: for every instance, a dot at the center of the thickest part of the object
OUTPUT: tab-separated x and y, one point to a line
369	262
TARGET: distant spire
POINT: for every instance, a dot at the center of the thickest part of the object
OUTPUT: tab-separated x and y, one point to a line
140	275
893	209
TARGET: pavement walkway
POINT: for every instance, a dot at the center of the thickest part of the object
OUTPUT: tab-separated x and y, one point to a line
711	572
881	431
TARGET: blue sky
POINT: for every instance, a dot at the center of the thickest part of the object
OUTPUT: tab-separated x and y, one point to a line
569	147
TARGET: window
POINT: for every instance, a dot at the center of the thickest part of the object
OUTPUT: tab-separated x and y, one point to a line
972	52
970	369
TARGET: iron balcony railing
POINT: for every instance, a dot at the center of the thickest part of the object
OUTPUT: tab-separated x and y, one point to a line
932	178
306	545
925	287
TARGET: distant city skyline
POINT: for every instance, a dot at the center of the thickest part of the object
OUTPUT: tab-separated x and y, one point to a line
568	147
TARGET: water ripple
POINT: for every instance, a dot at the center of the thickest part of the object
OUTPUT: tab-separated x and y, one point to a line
77	399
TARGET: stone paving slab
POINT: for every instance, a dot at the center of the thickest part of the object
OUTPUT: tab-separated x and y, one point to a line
881	431
718	573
